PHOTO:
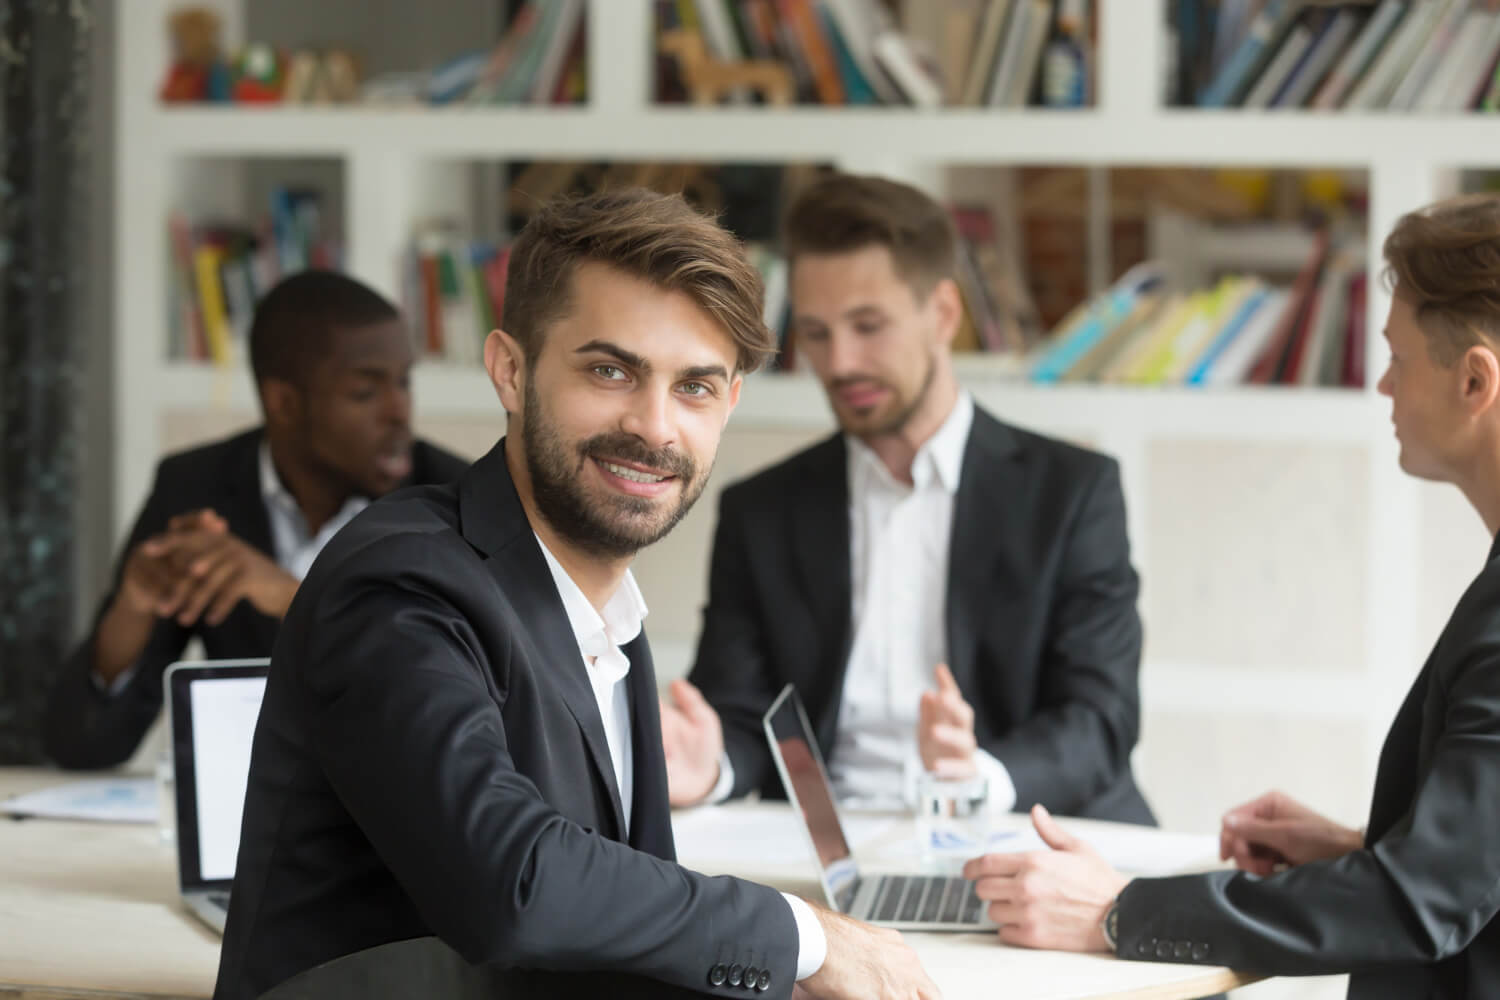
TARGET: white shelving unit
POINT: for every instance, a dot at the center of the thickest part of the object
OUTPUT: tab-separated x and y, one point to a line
398	165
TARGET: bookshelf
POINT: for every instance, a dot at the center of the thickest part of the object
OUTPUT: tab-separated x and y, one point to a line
1325	461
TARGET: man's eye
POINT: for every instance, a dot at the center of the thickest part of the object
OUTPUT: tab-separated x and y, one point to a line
696	389
609	372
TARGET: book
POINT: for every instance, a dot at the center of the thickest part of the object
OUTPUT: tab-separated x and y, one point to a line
1251	55
986	51
1358	57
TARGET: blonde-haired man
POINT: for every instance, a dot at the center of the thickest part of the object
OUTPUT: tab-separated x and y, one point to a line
1408	906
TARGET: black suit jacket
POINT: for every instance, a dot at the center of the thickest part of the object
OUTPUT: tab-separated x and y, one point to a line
85	727
430	760
1411	914
1042	631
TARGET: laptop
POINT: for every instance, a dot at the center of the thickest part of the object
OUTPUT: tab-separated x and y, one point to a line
913	901
212	706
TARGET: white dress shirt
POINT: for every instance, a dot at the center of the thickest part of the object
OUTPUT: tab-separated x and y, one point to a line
293	546
899	540
599	640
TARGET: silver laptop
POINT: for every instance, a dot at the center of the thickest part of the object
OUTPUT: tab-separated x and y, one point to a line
212	707
915	901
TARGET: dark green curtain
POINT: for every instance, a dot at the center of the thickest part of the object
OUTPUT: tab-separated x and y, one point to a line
44	129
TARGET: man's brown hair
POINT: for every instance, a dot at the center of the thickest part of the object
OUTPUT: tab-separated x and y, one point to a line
657	238
842	213
1445	261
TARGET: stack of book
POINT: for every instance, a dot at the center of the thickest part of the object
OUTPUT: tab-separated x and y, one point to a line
980	53
540	59
1401	55
219	270
1241	331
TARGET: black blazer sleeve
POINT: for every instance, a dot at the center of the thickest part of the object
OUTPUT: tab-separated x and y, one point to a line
1078	742
85	727
1418	894
732	666
414	744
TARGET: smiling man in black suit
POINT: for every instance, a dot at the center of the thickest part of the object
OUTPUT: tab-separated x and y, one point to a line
459	736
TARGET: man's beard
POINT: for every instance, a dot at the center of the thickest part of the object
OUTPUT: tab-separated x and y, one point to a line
612	526
897	421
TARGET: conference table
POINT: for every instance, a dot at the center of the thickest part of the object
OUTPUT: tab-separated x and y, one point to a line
91	910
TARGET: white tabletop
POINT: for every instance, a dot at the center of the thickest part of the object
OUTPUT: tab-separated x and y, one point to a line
90	909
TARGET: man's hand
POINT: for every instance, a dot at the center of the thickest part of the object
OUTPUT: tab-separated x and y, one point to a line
151	576
866	963
693	741
213	571
945	729
1053	899
1275	830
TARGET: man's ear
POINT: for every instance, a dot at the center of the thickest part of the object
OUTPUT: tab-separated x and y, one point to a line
506	363
1479	370
949	303
282	402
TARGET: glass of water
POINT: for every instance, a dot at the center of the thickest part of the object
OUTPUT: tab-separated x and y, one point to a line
166	798
953	818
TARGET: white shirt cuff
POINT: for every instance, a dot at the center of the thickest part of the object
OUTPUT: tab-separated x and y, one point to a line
812	943
725	784
1002	790
114	687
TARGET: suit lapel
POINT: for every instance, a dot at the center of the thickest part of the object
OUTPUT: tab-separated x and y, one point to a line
493	520
819	514
990	484
650	811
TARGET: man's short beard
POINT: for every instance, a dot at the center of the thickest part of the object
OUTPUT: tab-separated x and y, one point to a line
613	527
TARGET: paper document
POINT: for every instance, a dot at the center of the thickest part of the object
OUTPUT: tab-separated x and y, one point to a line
105	800
1145	851
1135	852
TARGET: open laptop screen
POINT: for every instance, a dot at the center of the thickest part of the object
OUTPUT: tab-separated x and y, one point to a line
214	709
801	766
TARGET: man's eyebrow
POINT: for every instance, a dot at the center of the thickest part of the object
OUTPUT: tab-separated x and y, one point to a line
615	351
705	371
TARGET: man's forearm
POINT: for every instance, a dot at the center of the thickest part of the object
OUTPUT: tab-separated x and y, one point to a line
120	639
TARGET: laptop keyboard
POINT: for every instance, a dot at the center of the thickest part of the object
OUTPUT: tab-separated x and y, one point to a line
927	899
220	899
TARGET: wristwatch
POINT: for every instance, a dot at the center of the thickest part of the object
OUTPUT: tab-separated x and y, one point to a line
1110	925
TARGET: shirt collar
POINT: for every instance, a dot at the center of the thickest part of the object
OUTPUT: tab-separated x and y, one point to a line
272	489
940	458
596	634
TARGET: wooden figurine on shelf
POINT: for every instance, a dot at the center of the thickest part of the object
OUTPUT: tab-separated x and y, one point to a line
708	80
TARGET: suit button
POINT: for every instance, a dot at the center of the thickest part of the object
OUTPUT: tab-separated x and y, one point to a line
1163	949
763	983
736	974
1182	950
751	972
717	975
1143	947
1200	951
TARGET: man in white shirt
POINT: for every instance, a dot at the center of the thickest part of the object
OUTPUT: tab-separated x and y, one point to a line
231	527
948	593
459	734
